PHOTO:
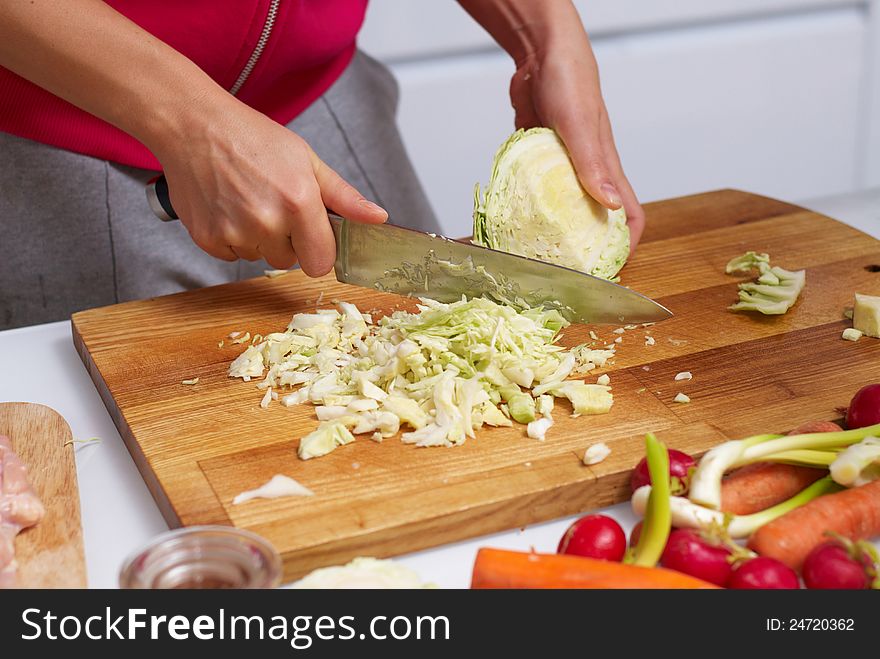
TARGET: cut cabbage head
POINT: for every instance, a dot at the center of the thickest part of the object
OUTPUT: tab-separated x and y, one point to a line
535	206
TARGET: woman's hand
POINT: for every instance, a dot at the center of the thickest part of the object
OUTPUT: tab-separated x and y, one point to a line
246	187
242	184
556	84
560	89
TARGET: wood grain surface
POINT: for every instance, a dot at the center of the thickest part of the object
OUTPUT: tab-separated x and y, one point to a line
50	554
198	446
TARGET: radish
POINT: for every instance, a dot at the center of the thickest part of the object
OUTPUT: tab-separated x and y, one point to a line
839	564
635	534
763	572
594	536
689	552
864	408
680	465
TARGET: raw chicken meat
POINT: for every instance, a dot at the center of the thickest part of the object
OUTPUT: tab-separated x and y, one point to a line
20	508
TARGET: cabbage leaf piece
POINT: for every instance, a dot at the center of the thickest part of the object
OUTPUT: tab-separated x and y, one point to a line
775	291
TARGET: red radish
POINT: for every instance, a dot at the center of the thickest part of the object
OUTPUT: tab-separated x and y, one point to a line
763	573
594	536
864	408
834	564
689	552
680	465
635	534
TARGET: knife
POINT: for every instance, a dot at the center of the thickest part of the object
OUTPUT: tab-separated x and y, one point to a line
398	260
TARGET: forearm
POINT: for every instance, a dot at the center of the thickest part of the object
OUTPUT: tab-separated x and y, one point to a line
94	57
524	28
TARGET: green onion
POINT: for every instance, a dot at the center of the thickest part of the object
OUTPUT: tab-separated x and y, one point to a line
706	480
658	516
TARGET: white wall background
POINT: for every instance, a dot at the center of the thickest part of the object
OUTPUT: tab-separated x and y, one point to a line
779	97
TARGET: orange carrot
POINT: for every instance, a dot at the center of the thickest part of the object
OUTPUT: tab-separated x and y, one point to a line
853	513
497	568
762	485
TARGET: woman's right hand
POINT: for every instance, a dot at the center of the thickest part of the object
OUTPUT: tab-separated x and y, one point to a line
246	187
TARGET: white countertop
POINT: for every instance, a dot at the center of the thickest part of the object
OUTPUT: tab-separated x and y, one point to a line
40	365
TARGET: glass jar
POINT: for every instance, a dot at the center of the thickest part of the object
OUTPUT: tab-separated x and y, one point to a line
203	557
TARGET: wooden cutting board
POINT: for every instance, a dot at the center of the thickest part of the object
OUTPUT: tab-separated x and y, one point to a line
50	554
198	446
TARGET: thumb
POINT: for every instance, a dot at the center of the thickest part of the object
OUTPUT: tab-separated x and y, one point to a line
343	198
585	148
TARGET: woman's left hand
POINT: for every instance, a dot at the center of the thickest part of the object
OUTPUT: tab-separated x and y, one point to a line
557	85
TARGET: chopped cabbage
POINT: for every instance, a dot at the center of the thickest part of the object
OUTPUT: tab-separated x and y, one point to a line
596	454
362	572
538	428
775	291
866	315
444	371
585	398
535	206
324	439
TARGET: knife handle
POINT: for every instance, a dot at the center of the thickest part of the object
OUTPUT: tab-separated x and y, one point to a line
160	200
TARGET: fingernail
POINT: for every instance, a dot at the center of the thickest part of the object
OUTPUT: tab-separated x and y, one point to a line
612	196
376	208
373	207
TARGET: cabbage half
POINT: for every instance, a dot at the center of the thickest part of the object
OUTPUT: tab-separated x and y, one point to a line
535	206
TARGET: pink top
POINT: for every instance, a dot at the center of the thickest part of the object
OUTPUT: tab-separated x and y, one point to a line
309	46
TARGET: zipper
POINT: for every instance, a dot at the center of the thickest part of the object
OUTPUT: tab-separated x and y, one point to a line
258	49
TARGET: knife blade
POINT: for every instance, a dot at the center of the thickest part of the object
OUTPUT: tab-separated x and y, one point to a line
398	260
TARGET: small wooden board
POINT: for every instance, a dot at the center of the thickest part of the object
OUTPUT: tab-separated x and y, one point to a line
50	554
198	446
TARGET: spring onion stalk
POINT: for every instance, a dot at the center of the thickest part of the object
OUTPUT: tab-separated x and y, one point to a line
657	512
805	458
706	481
686	514
710	470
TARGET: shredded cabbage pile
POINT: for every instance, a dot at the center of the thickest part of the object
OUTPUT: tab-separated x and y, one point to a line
443	372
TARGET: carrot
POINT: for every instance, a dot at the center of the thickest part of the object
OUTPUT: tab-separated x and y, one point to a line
497	568
816	426
853	513
762	485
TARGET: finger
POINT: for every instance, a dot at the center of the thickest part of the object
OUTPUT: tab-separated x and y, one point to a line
341	197
525	114
279	253
246	253
222	252
635	214
584	145
310	232
216	248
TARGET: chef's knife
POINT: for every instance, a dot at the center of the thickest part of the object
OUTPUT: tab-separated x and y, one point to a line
399	260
